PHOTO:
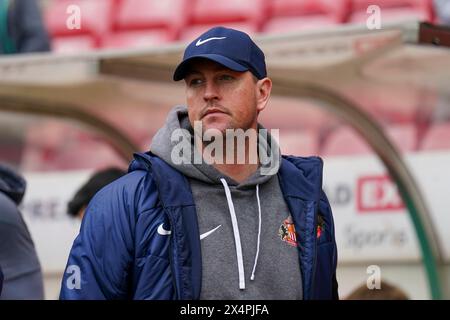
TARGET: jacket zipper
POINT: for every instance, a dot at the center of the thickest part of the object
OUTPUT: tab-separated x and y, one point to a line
313	280
171	257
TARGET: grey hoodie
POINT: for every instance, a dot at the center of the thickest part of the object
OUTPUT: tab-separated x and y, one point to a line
232	265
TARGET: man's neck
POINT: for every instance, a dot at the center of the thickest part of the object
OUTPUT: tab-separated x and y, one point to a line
237	168
238	172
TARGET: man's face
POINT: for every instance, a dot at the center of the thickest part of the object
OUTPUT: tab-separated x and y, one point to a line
222	98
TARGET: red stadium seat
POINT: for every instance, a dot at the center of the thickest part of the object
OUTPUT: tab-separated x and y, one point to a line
299	142
192	32
218	12
291	24
392	10
392	104
290	113
404	136
294	15
53	145
135	39
425	5
437	137
345	141
168	15
89	155
95	18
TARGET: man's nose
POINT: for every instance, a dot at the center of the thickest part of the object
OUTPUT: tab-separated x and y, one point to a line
211	91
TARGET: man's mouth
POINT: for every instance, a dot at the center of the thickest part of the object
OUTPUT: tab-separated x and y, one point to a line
212	111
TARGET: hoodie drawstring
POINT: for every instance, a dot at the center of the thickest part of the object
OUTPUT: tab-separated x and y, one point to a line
259	234
237	237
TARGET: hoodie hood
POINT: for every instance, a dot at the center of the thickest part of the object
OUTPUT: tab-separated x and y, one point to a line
12	184
162	146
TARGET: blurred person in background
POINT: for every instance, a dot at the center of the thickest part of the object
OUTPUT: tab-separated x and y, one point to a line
442	9
21	27
387	291
18	258
98	180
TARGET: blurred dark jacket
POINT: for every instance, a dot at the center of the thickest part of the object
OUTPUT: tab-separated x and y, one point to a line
18	258
21	28
1	280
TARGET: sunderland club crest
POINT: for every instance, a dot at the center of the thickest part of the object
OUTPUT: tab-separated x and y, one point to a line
287	232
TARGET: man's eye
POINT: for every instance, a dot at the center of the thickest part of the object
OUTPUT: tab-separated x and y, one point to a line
226	77
195	82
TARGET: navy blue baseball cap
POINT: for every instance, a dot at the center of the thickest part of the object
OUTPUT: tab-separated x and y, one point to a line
229	47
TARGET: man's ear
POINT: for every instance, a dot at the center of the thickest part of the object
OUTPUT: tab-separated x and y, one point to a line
263	89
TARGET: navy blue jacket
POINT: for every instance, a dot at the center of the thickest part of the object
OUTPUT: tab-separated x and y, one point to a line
120	255
1	281
22	276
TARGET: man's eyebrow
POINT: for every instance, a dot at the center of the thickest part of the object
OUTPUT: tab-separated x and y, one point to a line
193	71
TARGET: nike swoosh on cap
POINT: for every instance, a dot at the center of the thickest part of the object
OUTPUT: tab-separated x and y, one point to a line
204	235
200	41
163	231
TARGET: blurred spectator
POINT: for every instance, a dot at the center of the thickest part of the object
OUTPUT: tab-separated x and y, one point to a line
387	291
98	180
21	27
18	258
442	9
